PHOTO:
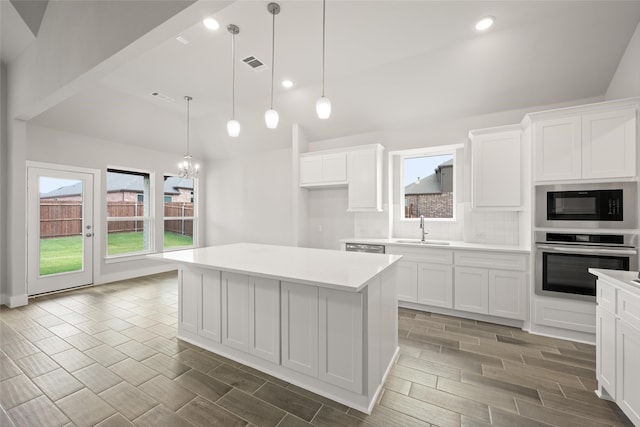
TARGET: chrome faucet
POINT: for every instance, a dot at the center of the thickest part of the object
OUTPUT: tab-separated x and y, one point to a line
422	227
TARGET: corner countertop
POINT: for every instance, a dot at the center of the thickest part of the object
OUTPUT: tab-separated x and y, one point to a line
621	277
437	244
346	271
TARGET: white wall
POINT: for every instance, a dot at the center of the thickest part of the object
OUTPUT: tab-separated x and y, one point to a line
626	80
52	146
3	177
249	199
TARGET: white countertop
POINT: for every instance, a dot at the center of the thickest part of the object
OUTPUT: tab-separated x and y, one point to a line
347	271
452	244
625	277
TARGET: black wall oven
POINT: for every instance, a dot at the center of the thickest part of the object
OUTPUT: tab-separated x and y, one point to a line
563	260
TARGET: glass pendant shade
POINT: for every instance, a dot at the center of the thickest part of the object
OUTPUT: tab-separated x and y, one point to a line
271	118
233	128
323	107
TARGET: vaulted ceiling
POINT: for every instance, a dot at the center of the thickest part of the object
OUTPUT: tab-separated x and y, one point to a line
389	65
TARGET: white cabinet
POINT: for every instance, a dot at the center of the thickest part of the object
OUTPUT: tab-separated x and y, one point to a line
496	168
472	289
340	361
189	287
609	144
251	315
318	170
585	143
365	180
200	302
407	286
491	283
435	284
557	145
618	343
300	328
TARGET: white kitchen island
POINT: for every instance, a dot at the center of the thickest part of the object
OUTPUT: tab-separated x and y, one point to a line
321	319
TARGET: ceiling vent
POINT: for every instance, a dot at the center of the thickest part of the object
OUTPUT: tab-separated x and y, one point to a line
254	63
162	97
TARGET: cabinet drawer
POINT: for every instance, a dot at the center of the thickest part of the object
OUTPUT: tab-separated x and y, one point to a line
606	296
629	308
436	256
503	261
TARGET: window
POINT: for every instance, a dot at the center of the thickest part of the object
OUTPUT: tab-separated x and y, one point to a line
427	185
129	212
179	212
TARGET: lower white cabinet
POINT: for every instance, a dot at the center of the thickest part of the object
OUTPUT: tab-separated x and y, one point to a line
189	288
435	284
507	294
618	342
407	286
246	325
340	354
300	328
210	319
472	289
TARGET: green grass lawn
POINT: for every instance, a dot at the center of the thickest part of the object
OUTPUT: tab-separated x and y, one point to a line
64	254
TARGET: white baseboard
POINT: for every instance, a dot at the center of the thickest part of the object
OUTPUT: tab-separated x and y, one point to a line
464	314
563	334
14	301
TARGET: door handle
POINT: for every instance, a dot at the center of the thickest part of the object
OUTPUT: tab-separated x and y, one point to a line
89	234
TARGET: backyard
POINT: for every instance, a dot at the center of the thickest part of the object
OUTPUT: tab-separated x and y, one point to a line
63	254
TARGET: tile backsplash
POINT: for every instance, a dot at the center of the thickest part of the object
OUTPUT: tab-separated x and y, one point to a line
500	228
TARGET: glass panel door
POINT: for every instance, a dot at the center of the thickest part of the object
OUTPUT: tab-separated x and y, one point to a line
60	233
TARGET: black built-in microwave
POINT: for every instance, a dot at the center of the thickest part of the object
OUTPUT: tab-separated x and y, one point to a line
594	205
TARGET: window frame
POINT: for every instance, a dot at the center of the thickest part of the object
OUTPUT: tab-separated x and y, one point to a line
194	217
441	150
148	218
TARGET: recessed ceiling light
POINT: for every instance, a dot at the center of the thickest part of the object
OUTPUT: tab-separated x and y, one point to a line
485	23
287	84
211	24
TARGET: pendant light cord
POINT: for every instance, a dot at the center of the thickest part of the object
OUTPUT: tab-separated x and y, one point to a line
273	48
188	98
233	76
323	41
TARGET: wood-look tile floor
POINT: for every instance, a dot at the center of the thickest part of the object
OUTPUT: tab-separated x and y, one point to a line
108	356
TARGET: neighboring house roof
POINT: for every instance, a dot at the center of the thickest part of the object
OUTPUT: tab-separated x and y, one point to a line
122	182
430	184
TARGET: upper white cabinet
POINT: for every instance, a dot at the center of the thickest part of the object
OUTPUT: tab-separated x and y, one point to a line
589	142
365	179
323	169
360	168
496	168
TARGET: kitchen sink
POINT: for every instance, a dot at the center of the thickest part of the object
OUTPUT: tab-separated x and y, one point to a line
417	241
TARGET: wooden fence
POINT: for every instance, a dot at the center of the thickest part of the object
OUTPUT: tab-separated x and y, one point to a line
64	218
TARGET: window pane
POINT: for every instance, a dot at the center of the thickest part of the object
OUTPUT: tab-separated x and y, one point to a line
178	205
428	186
126	237
127	194
178	232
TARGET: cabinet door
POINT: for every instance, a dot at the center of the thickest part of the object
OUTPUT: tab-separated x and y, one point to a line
235	310
606	351
189	288
435	285
365	183
407	285
299	328
496	169
507	290
340	333
472	290
628	370
609	144
557	146
310	170
209	309
334	168
264	318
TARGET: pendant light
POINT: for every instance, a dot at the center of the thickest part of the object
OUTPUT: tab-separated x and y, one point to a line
233	126
271	116
186	168
323	104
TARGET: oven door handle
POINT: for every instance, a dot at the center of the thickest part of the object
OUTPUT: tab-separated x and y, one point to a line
589	250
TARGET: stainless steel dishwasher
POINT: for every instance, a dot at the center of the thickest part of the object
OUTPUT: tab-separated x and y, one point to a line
365	247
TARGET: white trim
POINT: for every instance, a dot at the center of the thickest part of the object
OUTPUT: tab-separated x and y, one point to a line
132	274
14	301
